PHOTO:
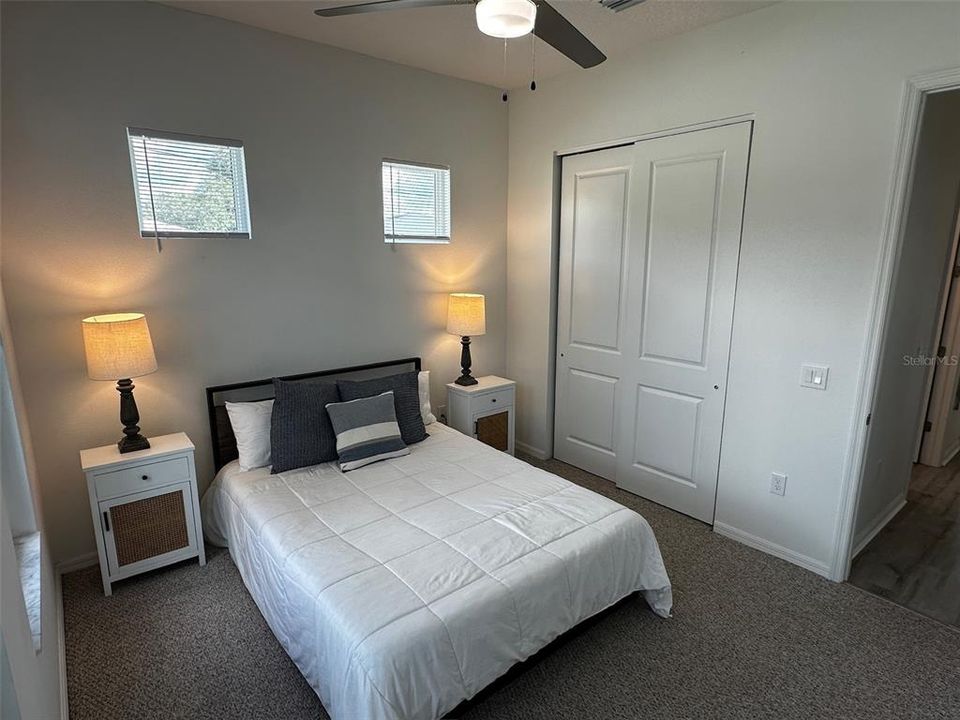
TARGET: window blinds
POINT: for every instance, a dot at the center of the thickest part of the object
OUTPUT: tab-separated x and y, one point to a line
416	203
189	186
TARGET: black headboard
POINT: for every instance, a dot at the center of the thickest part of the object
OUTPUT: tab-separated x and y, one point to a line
221	434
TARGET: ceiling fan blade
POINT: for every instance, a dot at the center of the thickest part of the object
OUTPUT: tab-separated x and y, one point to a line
384	5
554	28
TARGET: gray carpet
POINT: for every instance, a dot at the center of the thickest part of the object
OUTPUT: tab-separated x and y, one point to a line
751	637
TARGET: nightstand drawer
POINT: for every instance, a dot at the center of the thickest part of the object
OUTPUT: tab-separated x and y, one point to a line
492	400
142	477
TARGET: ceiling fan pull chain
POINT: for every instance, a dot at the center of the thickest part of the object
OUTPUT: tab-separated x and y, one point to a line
533	55
504	83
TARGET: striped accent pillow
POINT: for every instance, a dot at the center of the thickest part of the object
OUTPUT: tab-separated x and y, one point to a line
366	430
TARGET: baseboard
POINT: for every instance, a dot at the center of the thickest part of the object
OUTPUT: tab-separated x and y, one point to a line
61	646
531	450
758	543
76	563
888	514
950	454
60	569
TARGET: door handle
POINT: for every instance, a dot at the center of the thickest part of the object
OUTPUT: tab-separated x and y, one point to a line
106	521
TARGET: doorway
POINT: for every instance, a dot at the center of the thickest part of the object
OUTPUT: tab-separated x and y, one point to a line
649	248
939	440
907	526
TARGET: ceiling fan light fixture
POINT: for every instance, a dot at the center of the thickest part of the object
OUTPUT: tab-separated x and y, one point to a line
506	18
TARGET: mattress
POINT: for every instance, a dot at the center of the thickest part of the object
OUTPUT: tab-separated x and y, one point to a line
403	588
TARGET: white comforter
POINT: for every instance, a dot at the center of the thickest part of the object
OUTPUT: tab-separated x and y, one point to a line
402	588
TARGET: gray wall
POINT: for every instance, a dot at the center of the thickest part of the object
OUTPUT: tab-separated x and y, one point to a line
9	706
316	287
914	314
824	82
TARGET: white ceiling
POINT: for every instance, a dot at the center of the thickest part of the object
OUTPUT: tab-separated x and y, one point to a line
446	40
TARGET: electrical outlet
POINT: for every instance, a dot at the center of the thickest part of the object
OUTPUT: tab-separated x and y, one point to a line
778	483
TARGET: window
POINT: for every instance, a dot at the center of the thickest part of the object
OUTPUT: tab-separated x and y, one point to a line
189	186
17	499
416	203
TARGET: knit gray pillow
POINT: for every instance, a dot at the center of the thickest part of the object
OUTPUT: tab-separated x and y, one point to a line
406	400
300	429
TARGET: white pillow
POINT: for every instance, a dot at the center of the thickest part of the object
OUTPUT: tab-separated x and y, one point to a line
251	426
423	385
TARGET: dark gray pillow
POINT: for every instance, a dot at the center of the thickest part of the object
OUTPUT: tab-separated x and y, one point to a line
406	400
367	431
300	429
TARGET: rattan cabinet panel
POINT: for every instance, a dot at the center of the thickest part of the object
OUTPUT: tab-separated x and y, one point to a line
494	430
148	527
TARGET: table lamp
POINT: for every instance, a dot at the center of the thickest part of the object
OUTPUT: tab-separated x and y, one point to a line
118	347
466	317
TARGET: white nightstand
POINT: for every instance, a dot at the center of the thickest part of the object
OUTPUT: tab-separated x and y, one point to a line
145	506
484	411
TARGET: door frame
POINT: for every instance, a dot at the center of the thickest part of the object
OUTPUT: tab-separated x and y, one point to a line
914	94
654	134
558	156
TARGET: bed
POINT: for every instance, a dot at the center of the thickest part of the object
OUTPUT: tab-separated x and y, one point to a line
404	588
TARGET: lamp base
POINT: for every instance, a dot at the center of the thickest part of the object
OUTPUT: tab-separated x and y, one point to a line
130	443
465	377
129	415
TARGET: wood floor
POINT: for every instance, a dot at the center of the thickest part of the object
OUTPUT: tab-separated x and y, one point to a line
915	560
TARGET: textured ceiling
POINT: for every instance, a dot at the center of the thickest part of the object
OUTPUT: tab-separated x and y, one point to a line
446	40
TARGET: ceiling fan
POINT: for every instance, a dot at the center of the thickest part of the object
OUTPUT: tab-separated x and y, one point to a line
502	19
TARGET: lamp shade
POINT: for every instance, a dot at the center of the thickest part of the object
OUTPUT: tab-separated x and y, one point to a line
466	315
118	346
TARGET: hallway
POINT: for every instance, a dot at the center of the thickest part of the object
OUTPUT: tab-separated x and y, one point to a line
915	560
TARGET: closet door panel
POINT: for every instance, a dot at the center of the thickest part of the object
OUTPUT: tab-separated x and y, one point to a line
679	259
687	210
594	232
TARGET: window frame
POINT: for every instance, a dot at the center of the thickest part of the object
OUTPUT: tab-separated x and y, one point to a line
138	132
18	491
392	239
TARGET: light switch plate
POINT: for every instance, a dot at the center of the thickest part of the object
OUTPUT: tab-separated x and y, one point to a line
778	484
814	376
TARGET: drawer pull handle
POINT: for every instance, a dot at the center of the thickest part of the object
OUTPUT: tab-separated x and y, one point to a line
493	400
144	477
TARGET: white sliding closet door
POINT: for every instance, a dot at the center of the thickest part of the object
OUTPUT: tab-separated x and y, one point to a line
650	234
594	232
688	203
